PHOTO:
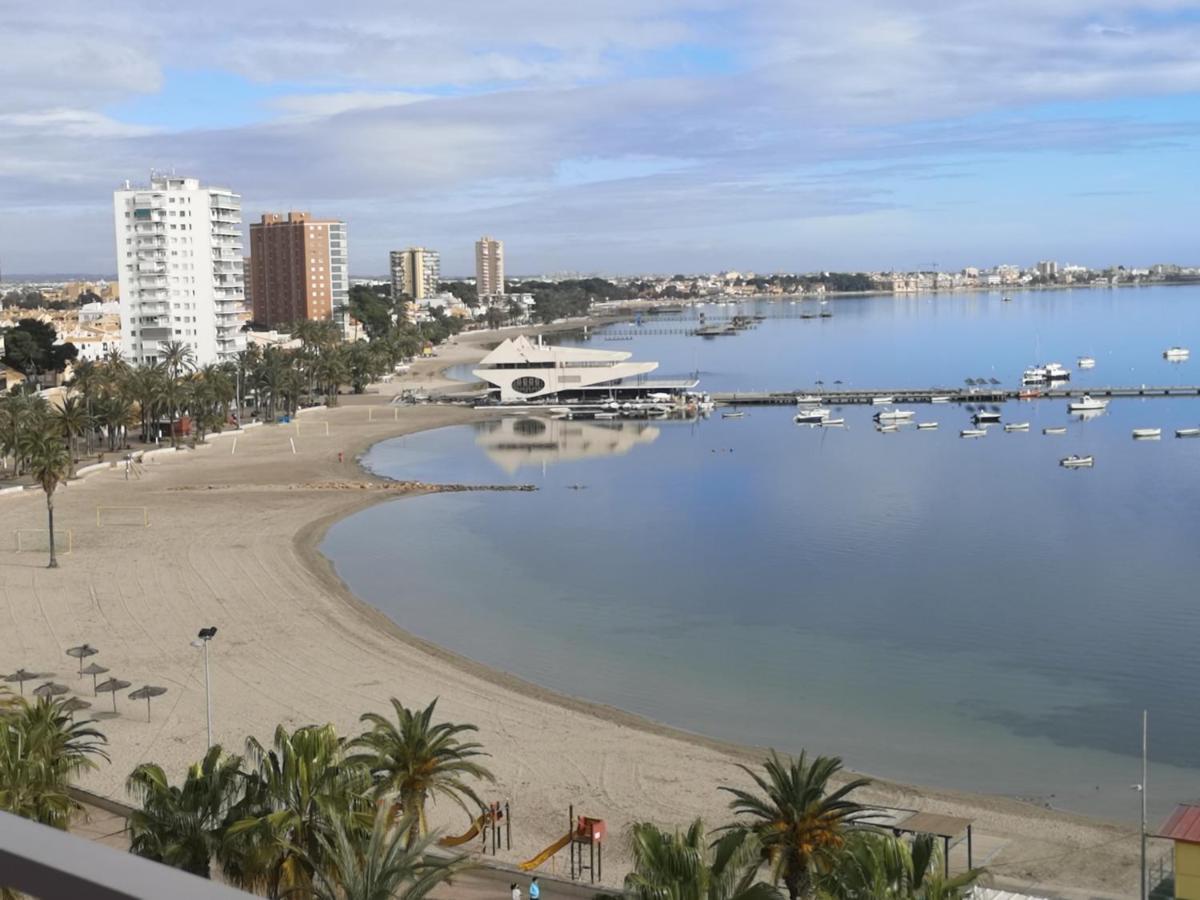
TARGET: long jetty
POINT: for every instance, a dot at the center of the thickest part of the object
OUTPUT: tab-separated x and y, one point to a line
842	396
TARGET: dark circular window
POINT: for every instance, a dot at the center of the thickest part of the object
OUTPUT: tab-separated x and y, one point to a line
529	427
528	384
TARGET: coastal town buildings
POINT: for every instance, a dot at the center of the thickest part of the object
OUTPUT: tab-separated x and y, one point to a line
298	269
179	263
416	272
489	268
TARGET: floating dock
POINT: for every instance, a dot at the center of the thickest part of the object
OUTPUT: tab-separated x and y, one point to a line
844	397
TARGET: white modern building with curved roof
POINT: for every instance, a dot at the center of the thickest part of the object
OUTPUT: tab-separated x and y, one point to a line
520	370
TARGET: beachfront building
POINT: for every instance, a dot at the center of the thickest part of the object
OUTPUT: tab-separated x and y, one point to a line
489	269
415	273
179	262
297	269
519	370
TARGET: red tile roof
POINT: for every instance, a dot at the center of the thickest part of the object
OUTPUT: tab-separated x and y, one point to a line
1184	824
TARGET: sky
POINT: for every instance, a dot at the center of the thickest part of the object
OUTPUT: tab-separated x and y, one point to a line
628	136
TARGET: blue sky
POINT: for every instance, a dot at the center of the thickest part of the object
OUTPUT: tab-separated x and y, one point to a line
651	136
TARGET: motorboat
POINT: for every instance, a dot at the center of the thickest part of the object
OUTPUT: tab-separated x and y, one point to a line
733	415
1006	299
894	415
1048	372
1033	375
807	399
1028	394
1177	353
1143	434
1055	429
926	426
1187	432
882	401
1087	362
939	399
813	416
1087	403
887	428
1074	461
985	416
1016	426
972	433
832	423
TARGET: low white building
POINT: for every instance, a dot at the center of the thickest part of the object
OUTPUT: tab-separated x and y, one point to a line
521	370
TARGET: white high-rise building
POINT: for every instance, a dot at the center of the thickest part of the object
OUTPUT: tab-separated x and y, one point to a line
179	259
489	267
416	273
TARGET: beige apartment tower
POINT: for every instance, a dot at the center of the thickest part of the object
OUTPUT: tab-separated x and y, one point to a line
489	267
416	273
298	269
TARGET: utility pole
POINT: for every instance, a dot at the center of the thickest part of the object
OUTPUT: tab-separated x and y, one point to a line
202	639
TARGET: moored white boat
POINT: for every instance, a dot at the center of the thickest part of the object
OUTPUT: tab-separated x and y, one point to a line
894	415
972	433
984	415
887	428
1087	403
832	423
926	426
1048	372
807	399
1016	426
1147	433
1055	429
1187	432
812	416
882	401
1176	353
939	399
1087	362
733	415
1074	461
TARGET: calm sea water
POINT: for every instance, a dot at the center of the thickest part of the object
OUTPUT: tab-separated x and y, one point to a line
945	611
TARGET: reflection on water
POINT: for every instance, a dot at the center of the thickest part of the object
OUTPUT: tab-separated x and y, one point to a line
516	441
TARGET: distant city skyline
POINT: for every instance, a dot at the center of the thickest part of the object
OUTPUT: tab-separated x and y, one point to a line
626	137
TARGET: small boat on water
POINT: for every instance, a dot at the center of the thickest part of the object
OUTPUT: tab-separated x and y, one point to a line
926	426
1028	394
1187	432
733	415
1177	353
807	399
1055	429
972	433
1006	299
984	416
894	415
1074	461
833	423
1016	426
1143	434
882	401
1049	372
939	399
1087	403
887	428
1087	362
813	416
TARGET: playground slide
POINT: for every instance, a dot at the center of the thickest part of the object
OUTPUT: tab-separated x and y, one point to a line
546	854
461	839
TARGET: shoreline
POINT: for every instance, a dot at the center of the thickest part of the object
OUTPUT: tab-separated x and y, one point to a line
297	646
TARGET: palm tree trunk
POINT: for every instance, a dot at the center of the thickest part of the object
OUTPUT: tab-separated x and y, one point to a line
50	516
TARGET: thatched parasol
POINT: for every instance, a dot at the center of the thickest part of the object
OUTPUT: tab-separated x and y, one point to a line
145	693
94	669
81	653
21	676
111	687
74	704
49	689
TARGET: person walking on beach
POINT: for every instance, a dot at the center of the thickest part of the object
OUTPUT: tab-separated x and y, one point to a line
535	890
516	891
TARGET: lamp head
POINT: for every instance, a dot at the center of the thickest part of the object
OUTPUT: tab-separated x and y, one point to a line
206	634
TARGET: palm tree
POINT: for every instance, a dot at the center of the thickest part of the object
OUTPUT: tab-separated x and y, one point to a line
73	420
295	793
414	760
684	866
800	823
49	463
178	358
86	379
889	868
183	826
379	865
43	749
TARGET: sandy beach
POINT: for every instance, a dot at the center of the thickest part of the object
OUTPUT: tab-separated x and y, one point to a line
231	541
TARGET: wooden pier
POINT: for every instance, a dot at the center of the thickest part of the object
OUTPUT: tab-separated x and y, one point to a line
844	397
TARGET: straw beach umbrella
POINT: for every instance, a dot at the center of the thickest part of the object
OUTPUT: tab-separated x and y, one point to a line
145	693
49	689
111	687
74	705
94	669
21	676
82	652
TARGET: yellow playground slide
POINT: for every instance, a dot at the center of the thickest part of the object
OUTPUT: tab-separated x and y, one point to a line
546	854
469	834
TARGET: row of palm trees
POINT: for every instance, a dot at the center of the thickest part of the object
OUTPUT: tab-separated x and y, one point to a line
313	814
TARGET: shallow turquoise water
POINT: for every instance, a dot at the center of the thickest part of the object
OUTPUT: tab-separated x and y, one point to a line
959	613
